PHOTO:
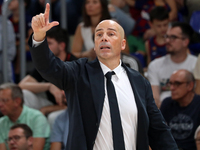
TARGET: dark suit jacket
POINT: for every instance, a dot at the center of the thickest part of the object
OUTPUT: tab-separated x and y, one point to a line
83	83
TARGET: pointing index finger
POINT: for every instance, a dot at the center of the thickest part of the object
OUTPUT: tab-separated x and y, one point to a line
47	9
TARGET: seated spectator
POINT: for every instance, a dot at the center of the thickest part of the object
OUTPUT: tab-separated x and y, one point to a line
181	110
139	10
197	75
197	138
11	105
93	13
20	137
159	70
159	21
34	84
60	131
11	50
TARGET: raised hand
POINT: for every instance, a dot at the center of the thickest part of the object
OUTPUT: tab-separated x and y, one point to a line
40	24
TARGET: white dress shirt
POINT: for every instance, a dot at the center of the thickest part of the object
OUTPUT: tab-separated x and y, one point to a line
127	108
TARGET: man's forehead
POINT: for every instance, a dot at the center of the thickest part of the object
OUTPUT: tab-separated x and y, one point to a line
175	30
107	25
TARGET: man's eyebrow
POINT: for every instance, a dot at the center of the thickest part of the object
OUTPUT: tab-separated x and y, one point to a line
98	30
108	29
112	29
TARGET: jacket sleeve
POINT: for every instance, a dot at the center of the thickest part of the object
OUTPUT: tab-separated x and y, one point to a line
62	74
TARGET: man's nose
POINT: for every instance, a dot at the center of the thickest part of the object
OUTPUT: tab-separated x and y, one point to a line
104	37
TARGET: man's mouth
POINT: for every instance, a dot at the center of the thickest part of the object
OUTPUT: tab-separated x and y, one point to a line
104	47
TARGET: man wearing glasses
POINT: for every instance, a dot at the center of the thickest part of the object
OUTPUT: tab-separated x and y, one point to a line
20	137
159	70
11	106
181	110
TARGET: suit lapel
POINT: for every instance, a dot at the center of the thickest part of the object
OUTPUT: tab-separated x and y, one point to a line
96	79
141	119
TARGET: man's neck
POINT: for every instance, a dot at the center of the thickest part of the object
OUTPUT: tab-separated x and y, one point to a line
186	100
111	64
63	56
15	114
179	57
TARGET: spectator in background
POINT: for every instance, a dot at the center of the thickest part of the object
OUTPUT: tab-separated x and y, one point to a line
20	137
159	70
181	110
34	84
94	11
11	50
60	132
139	10
11	105
159	22
15	18
197	75
197	137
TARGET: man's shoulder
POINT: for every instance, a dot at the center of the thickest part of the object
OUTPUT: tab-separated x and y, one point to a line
192	57
159	61
3	120
31	112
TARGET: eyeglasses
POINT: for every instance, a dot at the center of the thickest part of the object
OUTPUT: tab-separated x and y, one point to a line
176	83
15	138
4	100
173	37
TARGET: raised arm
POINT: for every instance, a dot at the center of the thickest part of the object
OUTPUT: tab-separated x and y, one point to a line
40	24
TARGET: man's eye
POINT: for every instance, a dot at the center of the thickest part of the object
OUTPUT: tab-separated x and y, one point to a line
111	34
99	34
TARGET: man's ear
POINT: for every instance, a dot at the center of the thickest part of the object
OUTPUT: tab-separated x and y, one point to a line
62	46
123	46
30	141
190	86
18	101
186	42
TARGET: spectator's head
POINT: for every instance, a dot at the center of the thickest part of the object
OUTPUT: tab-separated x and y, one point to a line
197	137
159	20
20	137
58	41
95	8
178	37
109	41
14	5
11	99
182	84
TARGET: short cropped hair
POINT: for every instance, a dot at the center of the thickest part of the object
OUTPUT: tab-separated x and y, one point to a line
27	130
186	29
16	91
158	13
60	35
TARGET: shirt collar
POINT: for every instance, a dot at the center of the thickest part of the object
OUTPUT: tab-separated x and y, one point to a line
22	113
118	70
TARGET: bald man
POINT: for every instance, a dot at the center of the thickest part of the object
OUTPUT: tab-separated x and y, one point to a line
126	117
181	110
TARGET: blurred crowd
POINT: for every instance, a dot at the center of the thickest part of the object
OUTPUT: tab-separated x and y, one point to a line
162	43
